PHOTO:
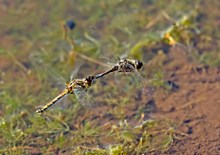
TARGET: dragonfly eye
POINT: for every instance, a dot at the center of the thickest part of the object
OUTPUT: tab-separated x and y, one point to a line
139	64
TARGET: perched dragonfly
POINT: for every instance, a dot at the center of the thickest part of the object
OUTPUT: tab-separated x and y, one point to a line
77	87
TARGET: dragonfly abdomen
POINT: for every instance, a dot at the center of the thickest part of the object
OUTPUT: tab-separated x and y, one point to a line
52	102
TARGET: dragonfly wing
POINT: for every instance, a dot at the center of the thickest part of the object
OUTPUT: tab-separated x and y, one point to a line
75	71
145	84
38	63
110	61
131	70
83	97
124	56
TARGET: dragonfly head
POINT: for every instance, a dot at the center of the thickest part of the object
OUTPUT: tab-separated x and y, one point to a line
138	64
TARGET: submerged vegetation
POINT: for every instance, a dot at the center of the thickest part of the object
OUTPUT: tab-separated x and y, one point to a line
119	121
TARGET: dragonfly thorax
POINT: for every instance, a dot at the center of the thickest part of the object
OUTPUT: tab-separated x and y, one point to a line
74	84
126	65
70	86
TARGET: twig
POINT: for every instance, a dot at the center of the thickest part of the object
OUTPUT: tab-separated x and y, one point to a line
19	63
66	37
90	59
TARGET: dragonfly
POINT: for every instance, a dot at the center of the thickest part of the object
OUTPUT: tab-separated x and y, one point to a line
132	66
123	65
77	87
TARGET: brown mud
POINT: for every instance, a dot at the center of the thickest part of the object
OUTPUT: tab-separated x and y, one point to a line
195	105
